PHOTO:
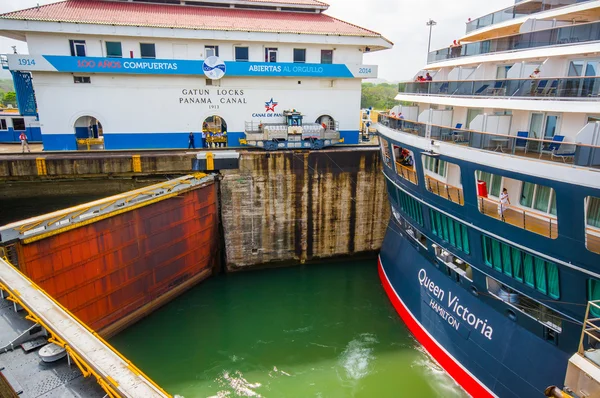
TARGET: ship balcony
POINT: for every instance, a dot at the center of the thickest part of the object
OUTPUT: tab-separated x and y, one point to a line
565	35
511	17
579	88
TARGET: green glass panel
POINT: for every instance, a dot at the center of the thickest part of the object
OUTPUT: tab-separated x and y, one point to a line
594	294
506	260
487	177
593	211
517	263
528	269
113	49
487	250
458	235
542	198
553	204
496	181
527	194
540	275
465	239
553	281
451	237
496	255
433	222
445	228
442	168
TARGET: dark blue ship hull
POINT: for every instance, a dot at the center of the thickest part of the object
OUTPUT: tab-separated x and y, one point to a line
481	348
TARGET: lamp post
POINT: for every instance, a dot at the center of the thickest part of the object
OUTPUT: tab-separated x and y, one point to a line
431	23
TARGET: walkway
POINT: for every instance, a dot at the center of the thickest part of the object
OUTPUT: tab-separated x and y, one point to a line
115	374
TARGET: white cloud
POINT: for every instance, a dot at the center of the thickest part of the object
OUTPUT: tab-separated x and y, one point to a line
401	21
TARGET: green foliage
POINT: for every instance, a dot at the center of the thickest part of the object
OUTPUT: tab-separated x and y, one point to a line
10	98
379	96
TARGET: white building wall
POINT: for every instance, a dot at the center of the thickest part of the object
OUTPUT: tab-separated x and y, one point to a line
152	104
56	44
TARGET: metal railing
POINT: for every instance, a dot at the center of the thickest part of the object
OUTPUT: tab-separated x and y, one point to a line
571	34
541	224
591	328
544	87
518	11
408	173
578	154
446	191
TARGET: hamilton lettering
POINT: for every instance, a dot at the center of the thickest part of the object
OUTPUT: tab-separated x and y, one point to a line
461	311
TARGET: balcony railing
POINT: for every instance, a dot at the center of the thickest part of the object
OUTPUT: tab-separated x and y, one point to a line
571	34
408	173
547	87
534	148
439	188
518	11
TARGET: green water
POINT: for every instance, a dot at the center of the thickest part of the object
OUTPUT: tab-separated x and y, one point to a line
323	330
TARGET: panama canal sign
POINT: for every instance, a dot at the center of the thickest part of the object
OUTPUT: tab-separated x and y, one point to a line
213	67
450	309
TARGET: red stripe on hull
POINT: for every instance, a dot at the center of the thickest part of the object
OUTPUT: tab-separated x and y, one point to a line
462	377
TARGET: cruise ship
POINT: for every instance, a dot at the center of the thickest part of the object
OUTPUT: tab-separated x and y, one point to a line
492	254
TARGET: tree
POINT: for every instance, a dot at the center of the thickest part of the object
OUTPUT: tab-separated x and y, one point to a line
379	96
10	98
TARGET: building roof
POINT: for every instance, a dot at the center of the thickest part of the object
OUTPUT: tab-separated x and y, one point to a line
190	17
299	2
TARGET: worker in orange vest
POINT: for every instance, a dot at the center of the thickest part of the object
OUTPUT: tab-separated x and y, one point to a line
24	143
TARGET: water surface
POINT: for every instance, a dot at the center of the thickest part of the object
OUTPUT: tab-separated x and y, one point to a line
321	330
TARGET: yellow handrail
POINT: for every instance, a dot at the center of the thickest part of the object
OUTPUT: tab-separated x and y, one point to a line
107	385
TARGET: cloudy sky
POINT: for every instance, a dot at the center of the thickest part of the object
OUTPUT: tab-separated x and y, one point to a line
401	21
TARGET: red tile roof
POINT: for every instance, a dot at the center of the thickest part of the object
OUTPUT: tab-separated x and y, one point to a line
189	17
298	2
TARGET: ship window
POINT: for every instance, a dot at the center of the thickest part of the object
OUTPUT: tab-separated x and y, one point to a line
385	151
449	230
326	56
299	55
592	217
593	295
211	51
241	54
77	48
523	267
147	50
3	125
443	178
271	54
538	197
114	49
410	206
493	182
405	164
18	123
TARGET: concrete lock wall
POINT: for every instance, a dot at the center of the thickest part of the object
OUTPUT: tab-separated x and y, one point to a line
297	206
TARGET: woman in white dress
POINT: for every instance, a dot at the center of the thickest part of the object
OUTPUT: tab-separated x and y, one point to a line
503	204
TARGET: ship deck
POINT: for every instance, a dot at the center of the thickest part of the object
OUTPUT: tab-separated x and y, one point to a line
28	373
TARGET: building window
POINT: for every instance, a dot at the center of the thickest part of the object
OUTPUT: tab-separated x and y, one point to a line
148	50
326	56
3	125
449	230
241	54
113	49
18	124
538	197
534	271
211	51
270	54
82	79
77	48
299	55
214	83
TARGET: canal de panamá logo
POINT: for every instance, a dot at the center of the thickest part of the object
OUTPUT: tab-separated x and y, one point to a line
214	68
270	105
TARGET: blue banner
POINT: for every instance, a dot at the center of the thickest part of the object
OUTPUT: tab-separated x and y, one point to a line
196	67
